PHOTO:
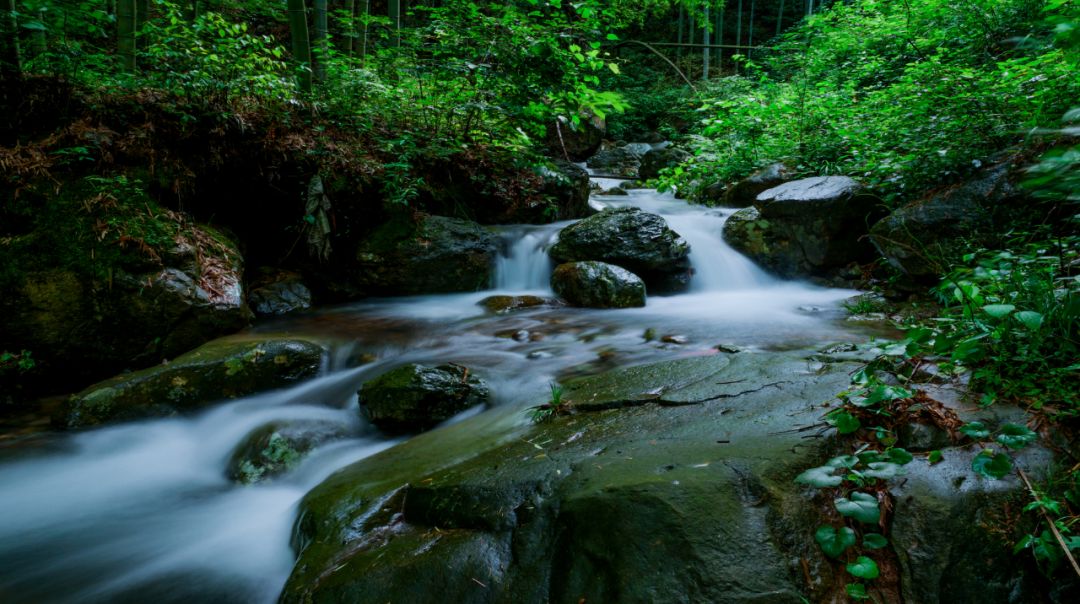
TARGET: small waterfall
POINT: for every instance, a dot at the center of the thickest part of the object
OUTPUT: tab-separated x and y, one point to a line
526	265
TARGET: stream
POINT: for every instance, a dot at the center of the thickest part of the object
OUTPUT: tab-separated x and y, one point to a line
145	512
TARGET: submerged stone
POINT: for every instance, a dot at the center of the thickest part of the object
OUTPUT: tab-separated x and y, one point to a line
597	285
276	448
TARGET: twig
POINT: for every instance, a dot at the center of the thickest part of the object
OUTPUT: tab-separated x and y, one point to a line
1050	521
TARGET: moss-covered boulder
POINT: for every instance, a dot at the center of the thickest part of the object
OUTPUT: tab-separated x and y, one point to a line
624	161
743	193
597	285
566	189
636	240
434	254
659	159
278	292
575	141
278	447
808	227
415	397
222	369
501	304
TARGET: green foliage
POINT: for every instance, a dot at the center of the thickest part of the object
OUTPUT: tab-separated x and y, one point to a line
16	363
834	542
555	406
902	94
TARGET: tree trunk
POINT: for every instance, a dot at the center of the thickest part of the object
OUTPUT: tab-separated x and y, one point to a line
125	34
720	36
350	27
705	40
780	17
38	42
301	43
367	27
10	63
393	10
682	17
750	42
142	14
322	48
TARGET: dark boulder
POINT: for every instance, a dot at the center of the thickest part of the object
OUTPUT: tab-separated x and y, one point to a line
566	187
808	227
619	161
415	397
276	292
276	448
222	369
743	193
597	285
636	240
658	159
575	141
924	237
434	254
503	304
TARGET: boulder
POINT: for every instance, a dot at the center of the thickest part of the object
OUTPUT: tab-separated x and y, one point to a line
636	240
566	187
597	285
276	448
415	397
222	369
619	161
89	309
743	193
503	304
808	227
434	254
576	142
276	292
924	237
658	159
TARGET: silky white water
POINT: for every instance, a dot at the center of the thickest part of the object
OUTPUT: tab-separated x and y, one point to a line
144	512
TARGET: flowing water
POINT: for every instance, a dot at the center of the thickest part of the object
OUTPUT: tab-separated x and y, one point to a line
145	512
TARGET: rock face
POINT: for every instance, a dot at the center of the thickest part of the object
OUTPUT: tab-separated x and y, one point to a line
923	237
577	142
415	397
435	255
566	186
84	324
659	159
222	369
597	285
806	227
672	483
279	447
619	161
636	240
276	293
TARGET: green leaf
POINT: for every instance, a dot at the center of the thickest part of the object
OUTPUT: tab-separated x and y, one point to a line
975	430
863	568
843	461
886	393
843	421
883	470
860	506
1015	436
874	541
970	349
614	67
1030	319
935	456
991	465
998	311
899	455
856	591
820	477
834	542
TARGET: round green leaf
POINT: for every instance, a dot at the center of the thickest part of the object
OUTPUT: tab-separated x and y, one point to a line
863	568
883	470
860	506
1015	436
843	461
834	542
856	591
1030	319
899	455
975	430
935	456
820	477
998	311
874	541
844	422
991	465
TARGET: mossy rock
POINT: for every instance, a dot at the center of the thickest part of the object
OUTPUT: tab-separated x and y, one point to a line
597	285
435	254
414	397
279	447
222	369
501	304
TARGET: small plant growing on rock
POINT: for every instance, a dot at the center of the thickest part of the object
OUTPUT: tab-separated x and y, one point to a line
554	407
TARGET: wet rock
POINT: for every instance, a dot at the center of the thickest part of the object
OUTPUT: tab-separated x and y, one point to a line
276	293
812	226
616	191
415	397
638	241
277	448
743	193
434	255
675	339
659	159
504	304
619	161
728	348
597	285
924	237
222	369
577	142
566	186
